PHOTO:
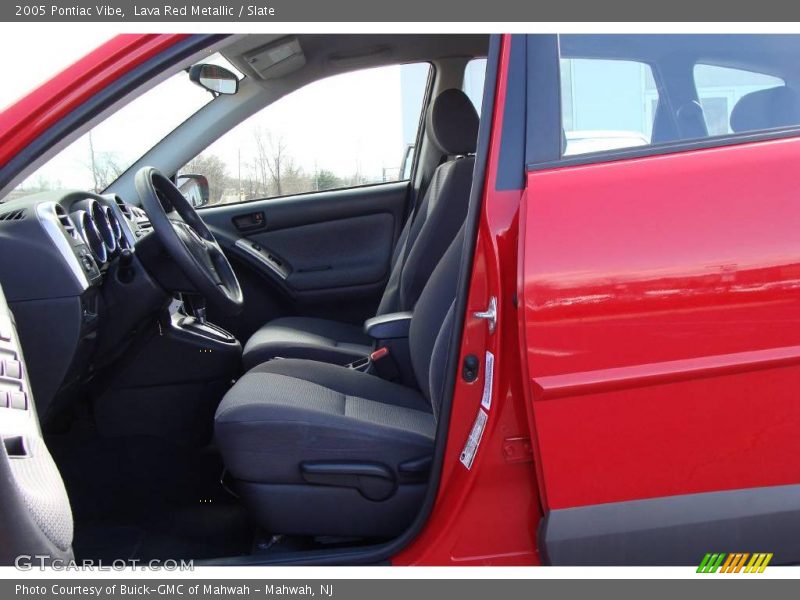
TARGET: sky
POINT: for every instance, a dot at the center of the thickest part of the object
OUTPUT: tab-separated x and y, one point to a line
42	61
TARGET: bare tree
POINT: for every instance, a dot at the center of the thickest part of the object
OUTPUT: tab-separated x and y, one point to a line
92	163
273	164
104	166
214	169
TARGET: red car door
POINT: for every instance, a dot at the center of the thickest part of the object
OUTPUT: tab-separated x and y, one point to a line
660	301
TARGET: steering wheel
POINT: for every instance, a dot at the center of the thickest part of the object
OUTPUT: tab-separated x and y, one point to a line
188	241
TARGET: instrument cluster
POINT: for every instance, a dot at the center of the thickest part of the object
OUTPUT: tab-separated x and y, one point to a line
98	226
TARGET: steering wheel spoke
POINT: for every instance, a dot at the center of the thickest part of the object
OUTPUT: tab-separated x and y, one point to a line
188	241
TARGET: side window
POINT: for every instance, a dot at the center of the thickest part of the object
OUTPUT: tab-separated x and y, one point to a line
721	88
474	76
344	131
632	92
606	104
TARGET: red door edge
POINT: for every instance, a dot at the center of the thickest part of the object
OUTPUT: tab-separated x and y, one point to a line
489	513
527	382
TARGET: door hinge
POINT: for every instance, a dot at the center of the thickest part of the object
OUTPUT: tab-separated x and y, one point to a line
490	314
517	449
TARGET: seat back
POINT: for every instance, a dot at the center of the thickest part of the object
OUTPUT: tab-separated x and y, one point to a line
432	324
766	109
452	125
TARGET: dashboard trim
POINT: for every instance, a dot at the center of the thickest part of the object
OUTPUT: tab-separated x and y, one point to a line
46	212
122	219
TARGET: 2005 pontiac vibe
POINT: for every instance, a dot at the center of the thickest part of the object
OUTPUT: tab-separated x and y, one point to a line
419	299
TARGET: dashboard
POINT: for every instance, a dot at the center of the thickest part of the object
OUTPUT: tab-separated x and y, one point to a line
73	276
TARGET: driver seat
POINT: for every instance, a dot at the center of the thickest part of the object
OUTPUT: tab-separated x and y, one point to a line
320	449
452	125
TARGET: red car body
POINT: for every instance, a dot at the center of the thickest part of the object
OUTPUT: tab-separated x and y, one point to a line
651	356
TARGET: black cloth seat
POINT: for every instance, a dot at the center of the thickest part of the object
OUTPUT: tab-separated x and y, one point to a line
766	109
318	411
452	125
311	338
286	423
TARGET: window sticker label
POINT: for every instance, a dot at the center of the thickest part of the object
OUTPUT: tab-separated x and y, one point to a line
474	439
486	401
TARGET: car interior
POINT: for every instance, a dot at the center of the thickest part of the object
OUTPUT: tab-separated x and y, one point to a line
264	380
259	379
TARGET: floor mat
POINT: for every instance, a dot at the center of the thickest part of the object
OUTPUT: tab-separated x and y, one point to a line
146	498
200	532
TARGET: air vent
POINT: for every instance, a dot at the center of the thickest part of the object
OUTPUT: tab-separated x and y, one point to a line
14	215
66	222
142	221
124	208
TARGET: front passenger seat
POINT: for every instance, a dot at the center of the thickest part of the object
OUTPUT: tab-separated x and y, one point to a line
452	125
320	449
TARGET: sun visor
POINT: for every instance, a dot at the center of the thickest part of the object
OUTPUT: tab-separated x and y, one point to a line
276	59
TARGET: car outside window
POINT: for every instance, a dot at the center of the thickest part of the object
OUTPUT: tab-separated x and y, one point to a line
721	88
348	130
474	77
100	156
633	92
606	104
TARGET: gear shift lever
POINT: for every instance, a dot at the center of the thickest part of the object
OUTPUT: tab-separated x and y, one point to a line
200	314
196	306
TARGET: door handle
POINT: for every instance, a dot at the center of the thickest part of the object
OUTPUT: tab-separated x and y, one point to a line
250	221
490	314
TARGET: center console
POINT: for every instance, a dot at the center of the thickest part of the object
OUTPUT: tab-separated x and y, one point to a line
171	383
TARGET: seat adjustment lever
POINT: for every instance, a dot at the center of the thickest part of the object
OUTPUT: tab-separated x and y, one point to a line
373	480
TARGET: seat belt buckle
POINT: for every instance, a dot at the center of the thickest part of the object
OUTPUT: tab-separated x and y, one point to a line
375	362
383	364
362	364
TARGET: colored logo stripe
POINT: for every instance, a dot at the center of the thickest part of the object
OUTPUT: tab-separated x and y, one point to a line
734	562
758	563
710	563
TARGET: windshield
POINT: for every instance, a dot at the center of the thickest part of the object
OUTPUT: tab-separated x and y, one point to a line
96	159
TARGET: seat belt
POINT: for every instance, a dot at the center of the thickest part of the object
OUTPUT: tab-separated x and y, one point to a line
423	188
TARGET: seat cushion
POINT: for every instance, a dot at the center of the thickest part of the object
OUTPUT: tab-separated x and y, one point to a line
308	338
285	412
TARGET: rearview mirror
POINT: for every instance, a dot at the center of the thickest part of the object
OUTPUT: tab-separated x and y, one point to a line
216	79
194	188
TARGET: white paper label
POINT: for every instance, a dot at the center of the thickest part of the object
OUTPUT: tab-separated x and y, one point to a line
488	376
474	439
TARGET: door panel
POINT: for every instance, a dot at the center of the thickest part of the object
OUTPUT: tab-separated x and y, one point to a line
341	253
662	323
36	518
320	254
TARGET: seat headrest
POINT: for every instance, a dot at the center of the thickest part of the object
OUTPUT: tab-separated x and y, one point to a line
691	120
766	109
452	123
